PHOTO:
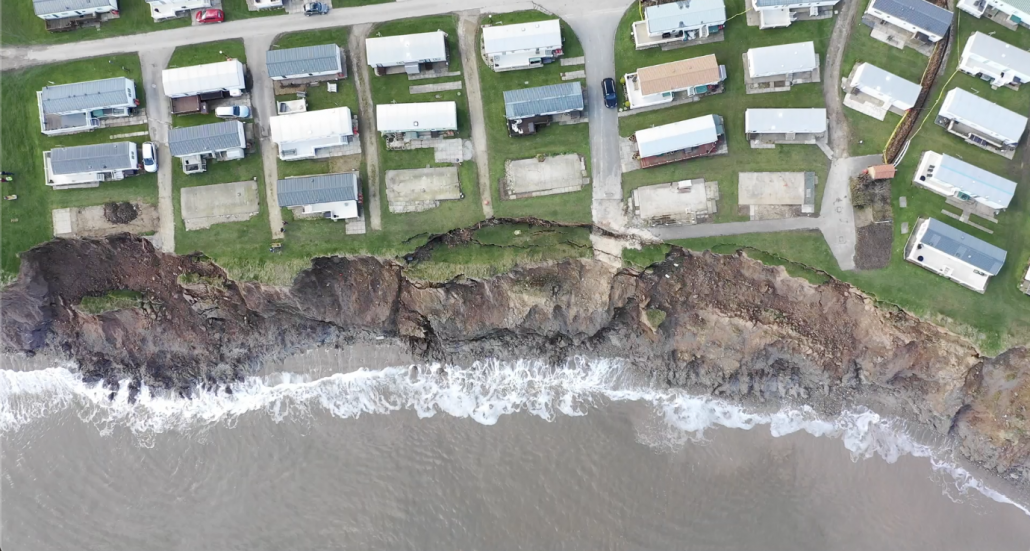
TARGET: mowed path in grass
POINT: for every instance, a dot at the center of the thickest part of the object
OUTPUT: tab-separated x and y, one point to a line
731	105
26	221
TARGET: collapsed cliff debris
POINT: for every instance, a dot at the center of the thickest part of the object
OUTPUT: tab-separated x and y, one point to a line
729	325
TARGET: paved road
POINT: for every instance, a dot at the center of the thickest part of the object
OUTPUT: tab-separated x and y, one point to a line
735	228
596	31
262	102
366	123
13	58
159	110
468	27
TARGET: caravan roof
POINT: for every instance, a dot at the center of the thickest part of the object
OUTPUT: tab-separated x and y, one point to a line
92	158
974	180
86	96
780	121
415	117
523	36
971	108
311	125
692	14
676	136
898	89
782	59
543	100
307	60
405	48
198	79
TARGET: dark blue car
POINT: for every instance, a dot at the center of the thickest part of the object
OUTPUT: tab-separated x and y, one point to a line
611	99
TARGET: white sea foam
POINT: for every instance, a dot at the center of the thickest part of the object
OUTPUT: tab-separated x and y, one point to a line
484	392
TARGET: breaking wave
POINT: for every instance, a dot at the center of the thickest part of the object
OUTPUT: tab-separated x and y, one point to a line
484	392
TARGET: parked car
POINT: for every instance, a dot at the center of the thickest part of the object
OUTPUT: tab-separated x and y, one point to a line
611	99
149	157
316	8
209	16
233	112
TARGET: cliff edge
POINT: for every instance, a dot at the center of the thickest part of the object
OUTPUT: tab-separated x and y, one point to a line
724	324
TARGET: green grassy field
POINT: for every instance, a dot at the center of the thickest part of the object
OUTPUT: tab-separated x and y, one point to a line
551	140
20	26
207	52
731	104
23	145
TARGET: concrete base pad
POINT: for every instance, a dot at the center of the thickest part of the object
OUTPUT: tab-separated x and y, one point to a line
91	222
535	177
771	188
675	204
421	189
203	206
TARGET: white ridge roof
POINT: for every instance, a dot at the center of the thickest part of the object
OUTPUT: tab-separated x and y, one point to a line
311	125
405	48
523	36
676	136
779	121
782	59
204	78
413	117
971	108
995	50
898	89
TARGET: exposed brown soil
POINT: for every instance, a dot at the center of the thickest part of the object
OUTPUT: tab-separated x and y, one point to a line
873	249
120	213
733	327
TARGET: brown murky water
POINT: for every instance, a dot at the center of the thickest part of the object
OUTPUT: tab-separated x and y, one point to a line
520	458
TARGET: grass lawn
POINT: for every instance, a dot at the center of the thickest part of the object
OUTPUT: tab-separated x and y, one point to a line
207	52
731	104
20	26
551	140
497	249
23	145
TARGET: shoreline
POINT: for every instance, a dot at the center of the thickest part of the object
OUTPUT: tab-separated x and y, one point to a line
723	326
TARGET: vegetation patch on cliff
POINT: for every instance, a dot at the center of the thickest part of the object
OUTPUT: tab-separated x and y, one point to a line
110	301
493	250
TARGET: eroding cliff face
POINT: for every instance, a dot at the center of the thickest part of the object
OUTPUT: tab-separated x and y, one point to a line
727	325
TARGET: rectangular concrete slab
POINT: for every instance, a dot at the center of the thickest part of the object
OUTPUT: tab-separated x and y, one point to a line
203	206
92	222
421	189
669	201
771	188
534	177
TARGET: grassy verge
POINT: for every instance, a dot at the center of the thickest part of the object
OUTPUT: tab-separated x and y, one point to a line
108	302
552	140
20	26
26	222
497	249
207	52
730	104
237	9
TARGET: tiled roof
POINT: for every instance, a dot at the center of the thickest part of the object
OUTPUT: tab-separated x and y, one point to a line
678	75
